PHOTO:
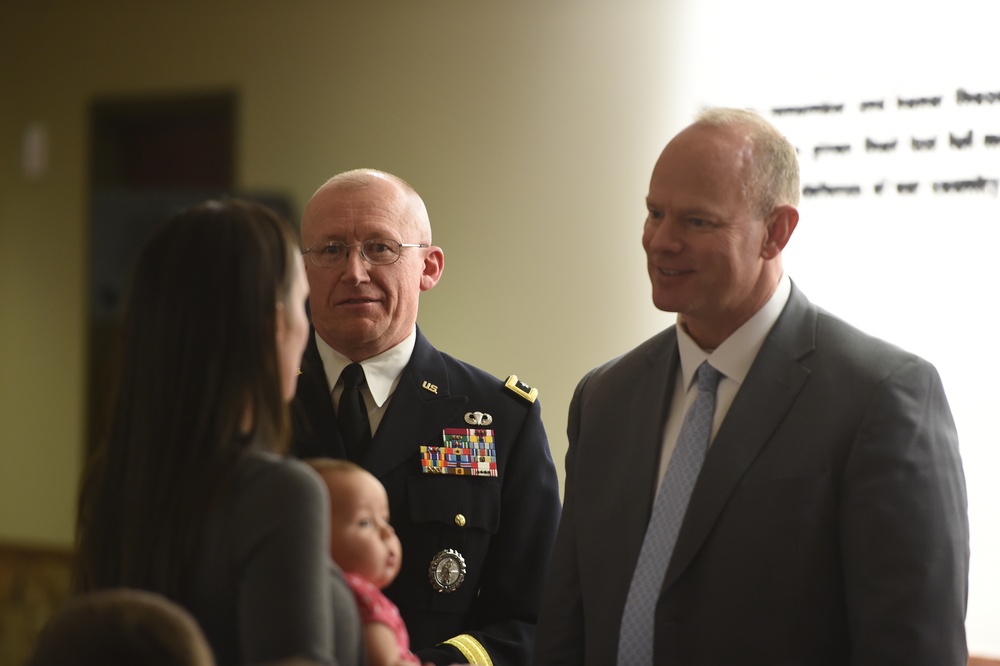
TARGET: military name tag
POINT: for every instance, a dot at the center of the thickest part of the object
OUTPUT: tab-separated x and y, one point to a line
465	452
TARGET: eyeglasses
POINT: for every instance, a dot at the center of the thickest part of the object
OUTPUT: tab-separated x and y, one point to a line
376	251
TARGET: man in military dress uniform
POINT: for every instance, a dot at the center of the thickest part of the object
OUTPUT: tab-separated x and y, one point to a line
463	455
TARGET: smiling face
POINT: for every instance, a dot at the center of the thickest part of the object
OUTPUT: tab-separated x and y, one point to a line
711	257
362	540
359	309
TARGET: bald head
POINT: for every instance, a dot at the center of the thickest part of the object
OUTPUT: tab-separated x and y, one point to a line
360	309
398	197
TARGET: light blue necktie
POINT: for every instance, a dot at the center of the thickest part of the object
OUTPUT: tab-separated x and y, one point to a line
635	639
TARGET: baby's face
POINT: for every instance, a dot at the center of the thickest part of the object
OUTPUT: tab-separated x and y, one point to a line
361	539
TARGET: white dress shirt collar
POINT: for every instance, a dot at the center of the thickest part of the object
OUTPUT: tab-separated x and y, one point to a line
736	354
381	372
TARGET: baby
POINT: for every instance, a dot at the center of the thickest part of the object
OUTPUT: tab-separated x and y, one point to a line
366	547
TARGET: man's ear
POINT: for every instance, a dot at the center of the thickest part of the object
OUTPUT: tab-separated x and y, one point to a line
779	230
433	267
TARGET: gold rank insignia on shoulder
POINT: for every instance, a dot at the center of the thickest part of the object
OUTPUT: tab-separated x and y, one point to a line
521	389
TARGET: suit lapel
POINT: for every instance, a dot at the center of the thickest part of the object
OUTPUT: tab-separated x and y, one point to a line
653	398
626	450
770	388
420	407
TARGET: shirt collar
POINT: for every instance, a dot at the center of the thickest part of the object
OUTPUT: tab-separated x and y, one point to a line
736	354
381	372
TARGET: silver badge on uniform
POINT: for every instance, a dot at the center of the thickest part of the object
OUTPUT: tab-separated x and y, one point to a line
478	418
447	570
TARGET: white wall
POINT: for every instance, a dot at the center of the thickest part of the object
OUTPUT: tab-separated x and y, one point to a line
919	270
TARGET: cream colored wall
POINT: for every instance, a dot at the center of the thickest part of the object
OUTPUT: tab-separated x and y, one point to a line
529	128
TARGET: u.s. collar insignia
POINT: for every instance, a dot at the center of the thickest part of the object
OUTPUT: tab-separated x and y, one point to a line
478	418
447	570
520	388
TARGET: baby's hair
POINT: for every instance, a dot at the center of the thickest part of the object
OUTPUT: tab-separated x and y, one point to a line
333	465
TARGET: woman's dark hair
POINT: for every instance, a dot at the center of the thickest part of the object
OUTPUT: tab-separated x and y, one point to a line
199	386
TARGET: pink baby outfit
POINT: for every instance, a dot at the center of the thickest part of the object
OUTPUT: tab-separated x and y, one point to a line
373	606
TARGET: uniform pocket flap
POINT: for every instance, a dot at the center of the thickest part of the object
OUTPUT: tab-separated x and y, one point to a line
468	502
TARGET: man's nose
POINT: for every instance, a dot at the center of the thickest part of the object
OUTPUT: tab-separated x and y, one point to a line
664	237
355	267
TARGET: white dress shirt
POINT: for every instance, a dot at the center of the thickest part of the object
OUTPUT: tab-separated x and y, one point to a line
732	358
382	374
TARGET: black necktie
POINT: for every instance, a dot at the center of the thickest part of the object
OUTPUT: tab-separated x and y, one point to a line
352	413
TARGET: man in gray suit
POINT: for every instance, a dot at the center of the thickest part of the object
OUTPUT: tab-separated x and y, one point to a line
828	522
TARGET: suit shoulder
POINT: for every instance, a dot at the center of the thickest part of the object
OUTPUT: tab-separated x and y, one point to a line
853	348
623	367
834	332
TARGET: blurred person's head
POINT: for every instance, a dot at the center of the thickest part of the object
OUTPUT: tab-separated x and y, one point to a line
214	330
121	627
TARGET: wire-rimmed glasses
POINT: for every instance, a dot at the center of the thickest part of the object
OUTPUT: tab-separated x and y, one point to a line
376	251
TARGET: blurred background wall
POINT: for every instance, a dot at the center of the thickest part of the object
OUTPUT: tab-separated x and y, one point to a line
529	128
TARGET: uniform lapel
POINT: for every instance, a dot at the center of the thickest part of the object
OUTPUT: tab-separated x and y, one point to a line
770	388
313	417
420	407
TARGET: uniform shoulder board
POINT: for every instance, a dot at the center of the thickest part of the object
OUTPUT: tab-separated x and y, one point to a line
520	388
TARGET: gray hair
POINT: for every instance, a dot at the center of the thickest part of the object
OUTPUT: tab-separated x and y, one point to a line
773	179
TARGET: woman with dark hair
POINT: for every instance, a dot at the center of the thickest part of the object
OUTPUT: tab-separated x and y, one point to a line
191	497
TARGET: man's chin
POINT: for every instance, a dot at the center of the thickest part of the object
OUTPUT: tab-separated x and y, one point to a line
350	333
666	303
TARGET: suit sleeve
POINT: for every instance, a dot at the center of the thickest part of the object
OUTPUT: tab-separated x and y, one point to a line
904	527
504	614
560	638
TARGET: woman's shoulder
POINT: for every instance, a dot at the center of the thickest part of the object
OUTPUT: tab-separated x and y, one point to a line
274	477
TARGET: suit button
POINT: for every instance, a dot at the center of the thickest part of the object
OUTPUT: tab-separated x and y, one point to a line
460	520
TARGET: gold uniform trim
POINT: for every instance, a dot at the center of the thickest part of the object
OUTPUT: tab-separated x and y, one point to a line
521	389
471	649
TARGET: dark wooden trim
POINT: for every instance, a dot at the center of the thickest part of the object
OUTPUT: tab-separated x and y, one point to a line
36	551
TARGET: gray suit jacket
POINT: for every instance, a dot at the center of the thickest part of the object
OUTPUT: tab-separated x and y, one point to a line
828	524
